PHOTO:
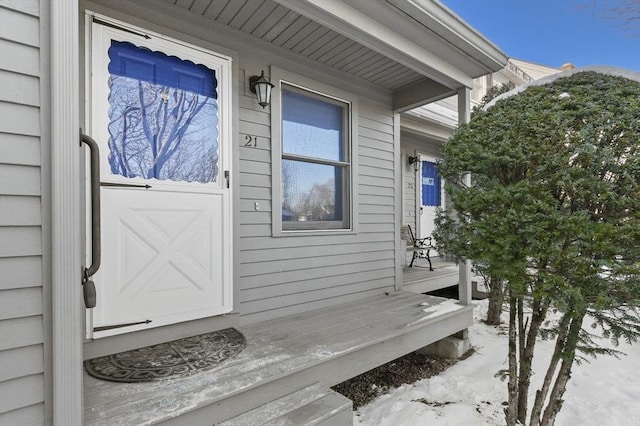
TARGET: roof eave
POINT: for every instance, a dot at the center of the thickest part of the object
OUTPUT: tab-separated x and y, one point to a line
407	31
435	16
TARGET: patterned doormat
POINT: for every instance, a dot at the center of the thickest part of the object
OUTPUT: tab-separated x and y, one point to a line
168	360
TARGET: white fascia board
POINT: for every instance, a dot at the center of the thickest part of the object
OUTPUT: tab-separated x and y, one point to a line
438	18
358	26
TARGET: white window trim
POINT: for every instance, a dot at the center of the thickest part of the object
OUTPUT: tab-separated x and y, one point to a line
278	77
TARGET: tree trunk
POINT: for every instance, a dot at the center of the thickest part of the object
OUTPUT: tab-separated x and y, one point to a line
541	394
496	299
526	356
511	412
560	386
523	369
555	403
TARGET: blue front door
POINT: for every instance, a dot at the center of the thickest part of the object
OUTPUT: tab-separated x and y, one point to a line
430	198
430	185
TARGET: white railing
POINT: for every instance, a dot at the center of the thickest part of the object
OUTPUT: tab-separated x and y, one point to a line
513	68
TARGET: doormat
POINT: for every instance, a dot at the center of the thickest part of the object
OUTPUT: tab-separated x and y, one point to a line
168	360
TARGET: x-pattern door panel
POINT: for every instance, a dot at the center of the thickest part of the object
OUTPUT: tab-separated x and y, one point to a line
161	259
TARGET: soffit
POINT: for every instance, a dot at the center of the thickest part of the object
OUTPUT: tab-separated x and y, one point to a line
287	29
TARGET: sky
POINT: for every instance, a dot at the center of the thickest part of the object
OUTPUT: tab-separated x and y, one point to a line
554	32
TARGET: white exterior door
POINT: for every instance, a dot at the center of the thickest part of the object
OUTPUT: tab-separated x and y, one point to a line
160	113
431	196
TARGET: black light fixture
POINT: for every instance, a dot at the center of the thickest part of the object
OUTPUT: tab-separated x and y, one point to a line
262	88
413	159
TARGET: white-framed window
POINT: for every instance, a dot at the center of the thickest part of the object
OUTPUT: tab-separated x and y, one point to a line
313	133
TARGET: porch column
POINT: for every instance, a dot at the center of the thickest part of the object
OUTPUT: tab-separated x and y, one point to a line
464	273
400	247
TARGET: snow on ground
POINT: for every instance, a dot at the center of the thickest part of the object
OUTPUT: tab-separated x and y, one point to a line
605	391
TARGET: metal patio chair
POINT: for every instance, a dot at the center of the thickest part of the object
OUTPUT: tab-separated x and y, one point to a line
420	246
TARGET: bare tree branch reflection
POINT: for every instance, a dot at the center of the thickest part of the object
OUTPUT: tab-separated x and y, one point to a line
161	132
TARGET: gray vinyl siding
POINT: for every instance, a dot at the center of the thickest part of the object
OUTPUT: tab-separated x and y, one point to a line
21	277
290	274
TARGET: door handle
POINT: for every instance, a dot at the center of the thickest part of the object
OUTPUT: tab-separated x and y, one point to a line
88	286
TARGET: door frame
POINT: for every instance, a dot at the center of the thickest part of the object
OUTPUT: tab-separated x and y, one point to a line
161	22
227	147
418	184
64	259
61	78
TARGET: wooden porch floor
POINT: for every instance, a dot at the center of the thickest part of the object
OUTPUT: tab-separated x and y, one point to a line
419	279
281	356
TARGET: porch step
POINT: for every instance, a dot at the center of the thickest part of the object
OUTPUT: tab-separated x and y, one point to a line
312	405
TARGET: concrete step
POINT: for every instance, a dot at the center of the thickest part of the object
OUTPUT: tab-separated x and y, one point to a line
312	405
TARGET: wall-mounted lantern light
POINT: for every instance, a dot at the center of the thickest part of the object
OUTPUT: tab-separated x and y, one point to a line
413	159
262	88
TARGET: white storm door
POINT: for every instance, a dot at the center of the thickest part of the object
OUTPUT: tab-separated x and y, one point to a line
160	112
431	198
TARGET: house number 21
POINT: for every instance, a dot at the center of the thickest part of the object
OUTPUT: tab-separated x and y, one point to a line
251	141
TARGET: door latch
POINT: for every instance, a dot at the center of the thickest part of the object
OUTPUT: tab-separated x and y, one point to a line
227	177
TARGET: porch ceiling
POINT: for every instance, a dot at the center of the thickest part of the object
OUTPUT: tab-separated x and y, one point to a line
285	28
418	50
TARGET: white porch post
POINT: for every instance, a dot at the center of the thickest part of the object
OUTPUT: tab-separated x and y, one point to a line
67	309
398	167
464	284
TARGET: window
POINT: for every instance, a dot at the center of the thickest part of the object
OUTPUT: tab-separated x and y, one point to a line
315	161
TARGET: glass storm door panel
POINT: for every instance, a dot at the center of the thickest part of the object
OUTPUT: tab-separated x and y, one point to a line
162	116
430	197
159	111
